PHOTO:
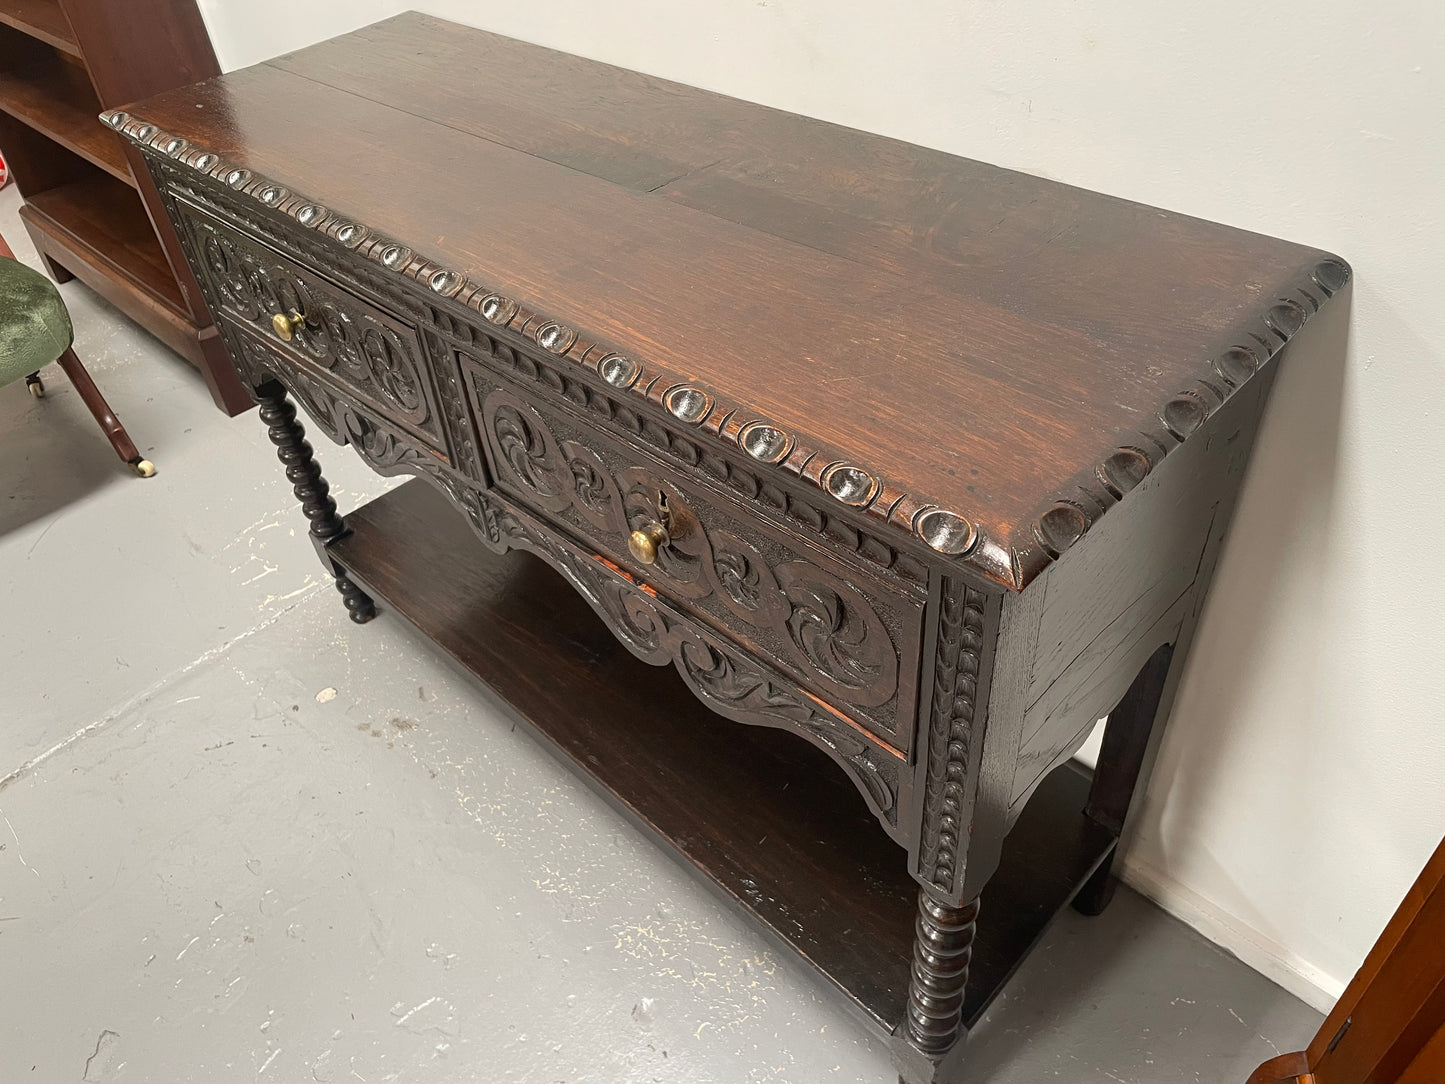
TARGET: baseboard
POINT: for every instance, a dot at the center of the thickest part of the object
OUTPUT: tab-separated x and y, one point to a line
1271	959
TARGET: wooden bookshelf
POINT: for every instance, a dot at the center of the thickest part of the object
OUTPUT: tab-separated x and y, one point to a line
42	20
99	227
56	99
90	206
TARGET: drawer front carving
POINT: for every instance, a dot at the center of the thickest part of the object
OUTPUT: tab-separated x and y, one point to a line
365	350
852	641
847	633
727	678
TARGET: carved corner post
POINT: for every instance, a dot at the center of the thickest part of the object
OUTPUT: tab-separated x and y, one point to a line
960	646
304	474
981	648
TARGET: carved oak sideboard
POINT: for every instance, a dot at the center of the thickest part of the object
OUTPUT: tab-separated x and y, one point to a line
919	465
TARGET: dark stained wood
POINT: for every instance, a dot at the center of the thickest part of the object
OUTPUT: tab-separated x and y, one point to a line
1122	753
43	20
97	229
311	489
1121	762
325	306
719	535
896	206
61	62
1389	1025
1028	332
942	953
573	313
759	814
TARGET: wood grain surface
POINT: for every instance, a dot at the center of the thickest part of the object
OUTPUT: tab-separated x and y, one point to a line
978	339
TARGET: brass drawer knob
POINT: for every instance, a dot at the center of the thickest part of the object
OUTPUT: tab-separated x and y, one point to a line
287	324
645	542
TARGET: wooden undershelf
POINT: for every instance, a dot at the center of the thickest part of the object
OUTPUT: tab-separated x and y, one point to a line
41	19
56	100
758	814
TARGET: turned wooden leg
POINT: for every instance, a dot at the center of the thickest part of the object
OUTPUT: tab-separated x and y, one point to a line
311	489
942	950
100	409
1121	763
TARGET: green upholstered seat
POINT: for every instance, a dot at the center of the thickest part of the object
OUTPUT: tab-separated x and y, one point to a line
34	326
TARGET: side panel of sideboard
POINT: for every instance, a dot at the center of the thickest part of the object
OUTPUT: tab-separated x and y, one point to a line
1068	647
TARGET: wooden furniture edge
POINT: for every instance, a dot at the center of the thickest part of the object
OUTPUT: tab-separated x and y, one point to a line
1013	563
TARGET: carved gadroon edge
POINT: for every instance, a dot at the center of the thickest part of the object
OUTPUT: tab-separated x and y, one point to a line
729	682
1011	562
950	731
1073	512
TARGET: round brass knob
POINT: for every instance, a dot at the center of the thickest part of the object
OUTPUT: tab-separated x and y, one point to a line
644	543
287	324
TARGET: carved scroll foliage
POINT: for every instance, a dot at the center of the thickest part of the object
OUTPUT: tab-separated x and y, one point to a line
832	632
727	681
337	334
950	726
723	678
684	447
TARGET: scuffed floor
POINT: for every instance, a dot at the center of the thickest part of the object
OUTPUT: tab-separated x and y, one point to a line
243	839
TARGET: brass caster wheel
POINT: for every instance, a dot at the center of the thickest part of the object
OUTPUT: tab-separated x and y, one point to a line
37	389
144	467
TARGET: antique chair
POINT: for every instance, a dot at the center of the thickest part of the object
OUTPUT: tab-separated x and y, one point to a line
34	331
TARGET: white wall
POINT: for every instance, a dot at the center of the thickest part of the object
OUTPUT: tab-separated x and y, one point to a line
1302	785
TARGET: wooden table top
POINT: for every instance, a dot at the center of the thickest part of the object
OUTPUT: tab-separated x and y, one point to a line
978	339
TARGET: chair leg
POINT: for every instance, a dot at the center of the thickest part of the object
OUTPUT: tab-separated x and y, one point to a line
114	431
34	386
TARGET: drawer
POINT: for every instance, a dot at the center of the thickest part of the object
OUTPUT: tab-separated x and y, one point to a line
364	351
852	640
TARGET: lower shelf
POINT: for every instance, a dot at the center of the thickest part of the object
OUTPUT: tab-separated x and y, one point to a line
760	814
98	230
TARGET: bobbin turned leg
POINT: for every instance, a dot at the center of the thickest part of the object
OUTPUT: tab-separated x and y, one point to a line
311	489
942	950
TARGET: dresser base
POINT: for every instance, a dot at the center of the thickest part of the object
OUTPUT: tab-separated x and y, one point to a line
762	816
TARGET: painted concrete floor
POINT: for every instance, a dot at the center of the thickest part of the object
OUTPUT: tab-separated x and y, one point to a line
241	838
